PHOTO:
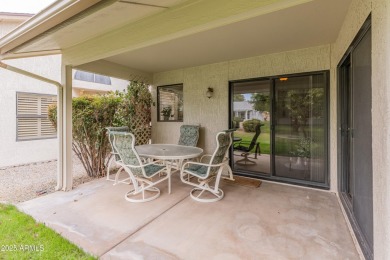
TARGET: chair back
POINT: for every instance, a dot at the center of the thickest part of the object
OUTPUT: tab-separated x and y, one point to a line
111	137
189	135
224	141
254	139
124	144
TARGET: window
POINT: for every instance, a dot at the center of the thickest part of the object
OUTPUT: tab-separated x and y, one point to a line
91	77
32	120
170	103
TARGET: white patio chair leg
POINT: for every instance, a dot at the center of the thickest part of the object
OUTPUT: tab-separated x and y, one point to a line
108	168
230	178
121	181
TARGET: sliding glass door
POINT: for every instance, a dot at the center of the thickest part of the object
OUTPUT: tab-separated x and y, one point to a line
282	128
300	123
252	119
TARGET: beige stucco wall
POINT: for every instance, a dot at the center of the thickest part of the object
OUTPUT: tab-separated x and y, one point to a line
357	14
380	123
212	114
13	152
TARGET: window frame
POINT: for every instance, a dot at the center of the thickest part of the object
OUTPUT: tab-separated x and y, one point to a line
40	95
95	76
158	102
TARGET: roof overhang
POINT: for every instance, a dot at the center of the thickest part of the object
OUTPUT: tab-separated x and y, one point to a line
50	17
157	35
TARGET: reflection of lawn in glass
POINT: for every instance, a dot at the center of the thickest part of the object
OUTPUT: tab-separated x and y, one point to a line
286	140
264	138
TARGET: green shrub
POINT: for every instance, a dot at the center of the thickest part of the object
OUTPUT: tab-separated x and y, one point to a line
250	125
92	114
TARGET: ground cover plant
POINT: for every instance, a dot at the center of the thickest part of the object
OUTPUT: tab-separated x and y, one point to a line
21	237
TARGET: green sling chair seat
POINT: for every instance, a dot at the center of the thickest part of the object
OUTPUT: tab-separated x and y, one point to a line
189	135
114	154
207	172
141	174
246	147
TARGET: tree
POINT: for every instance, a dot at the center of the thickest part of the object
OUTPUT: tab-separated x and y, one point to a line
303	104
238	97
260	102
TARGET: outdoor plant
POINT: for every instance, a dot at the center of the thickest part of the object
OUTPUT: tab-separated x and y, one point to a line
250	125
92	114
303	148
166	111
135	111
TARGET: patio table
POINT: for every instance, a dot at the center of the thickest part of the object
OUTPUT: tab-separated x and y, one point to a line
168	152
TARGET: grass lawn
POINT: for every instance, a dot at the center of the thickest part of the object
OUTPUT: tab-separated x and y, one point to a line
283	146
264	138
23	238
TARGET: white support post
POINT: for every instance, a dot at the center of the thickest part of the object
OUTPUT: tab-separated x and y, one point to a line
65	169
60	93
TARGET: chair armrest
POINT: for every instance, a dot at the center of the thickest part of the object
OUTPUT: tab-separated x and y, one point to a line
203	164
143	165
205	156
153	162
245	142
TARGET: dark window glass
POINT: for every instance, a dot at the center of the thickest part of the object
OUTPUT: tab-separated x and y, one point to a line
170	103
91	77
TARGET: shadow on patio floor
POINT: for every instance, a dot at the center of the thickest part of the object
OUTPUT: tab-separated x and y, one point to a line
273	221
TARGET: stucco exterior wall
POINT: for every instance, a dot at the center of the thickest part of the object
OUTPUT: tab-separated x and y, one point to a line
380	123
213	114
357	14
14	152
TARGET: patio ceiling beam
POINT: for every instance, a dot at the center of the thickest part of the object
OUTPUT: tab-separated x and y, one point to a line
182	20
115	70
29	74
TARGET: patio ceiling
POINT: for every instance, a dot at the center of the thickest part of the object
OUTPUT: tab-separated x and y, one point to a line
160	35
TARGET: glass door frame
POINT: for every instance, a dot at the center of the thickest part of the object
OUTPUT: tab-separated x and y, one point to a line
272	176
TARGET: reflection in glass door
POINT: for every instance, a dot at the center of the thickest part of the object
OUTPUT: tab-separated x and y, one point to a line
301	127
251	117
282	128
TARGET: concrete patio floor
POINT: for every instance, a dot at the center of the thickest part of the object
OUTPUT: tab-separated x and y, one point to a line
273	221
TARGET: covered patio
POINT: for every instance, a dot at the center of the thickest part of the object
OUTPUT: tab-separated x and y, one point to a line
273	221
203	44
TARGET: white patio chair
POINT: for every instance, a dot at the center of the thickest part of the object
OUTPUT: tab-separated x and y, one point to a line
205	172
141	174
114	155
189	136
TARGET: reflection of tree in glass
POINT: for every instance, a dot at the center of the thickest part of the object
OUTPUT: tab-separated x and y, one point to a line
238	97
303	104
260	102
